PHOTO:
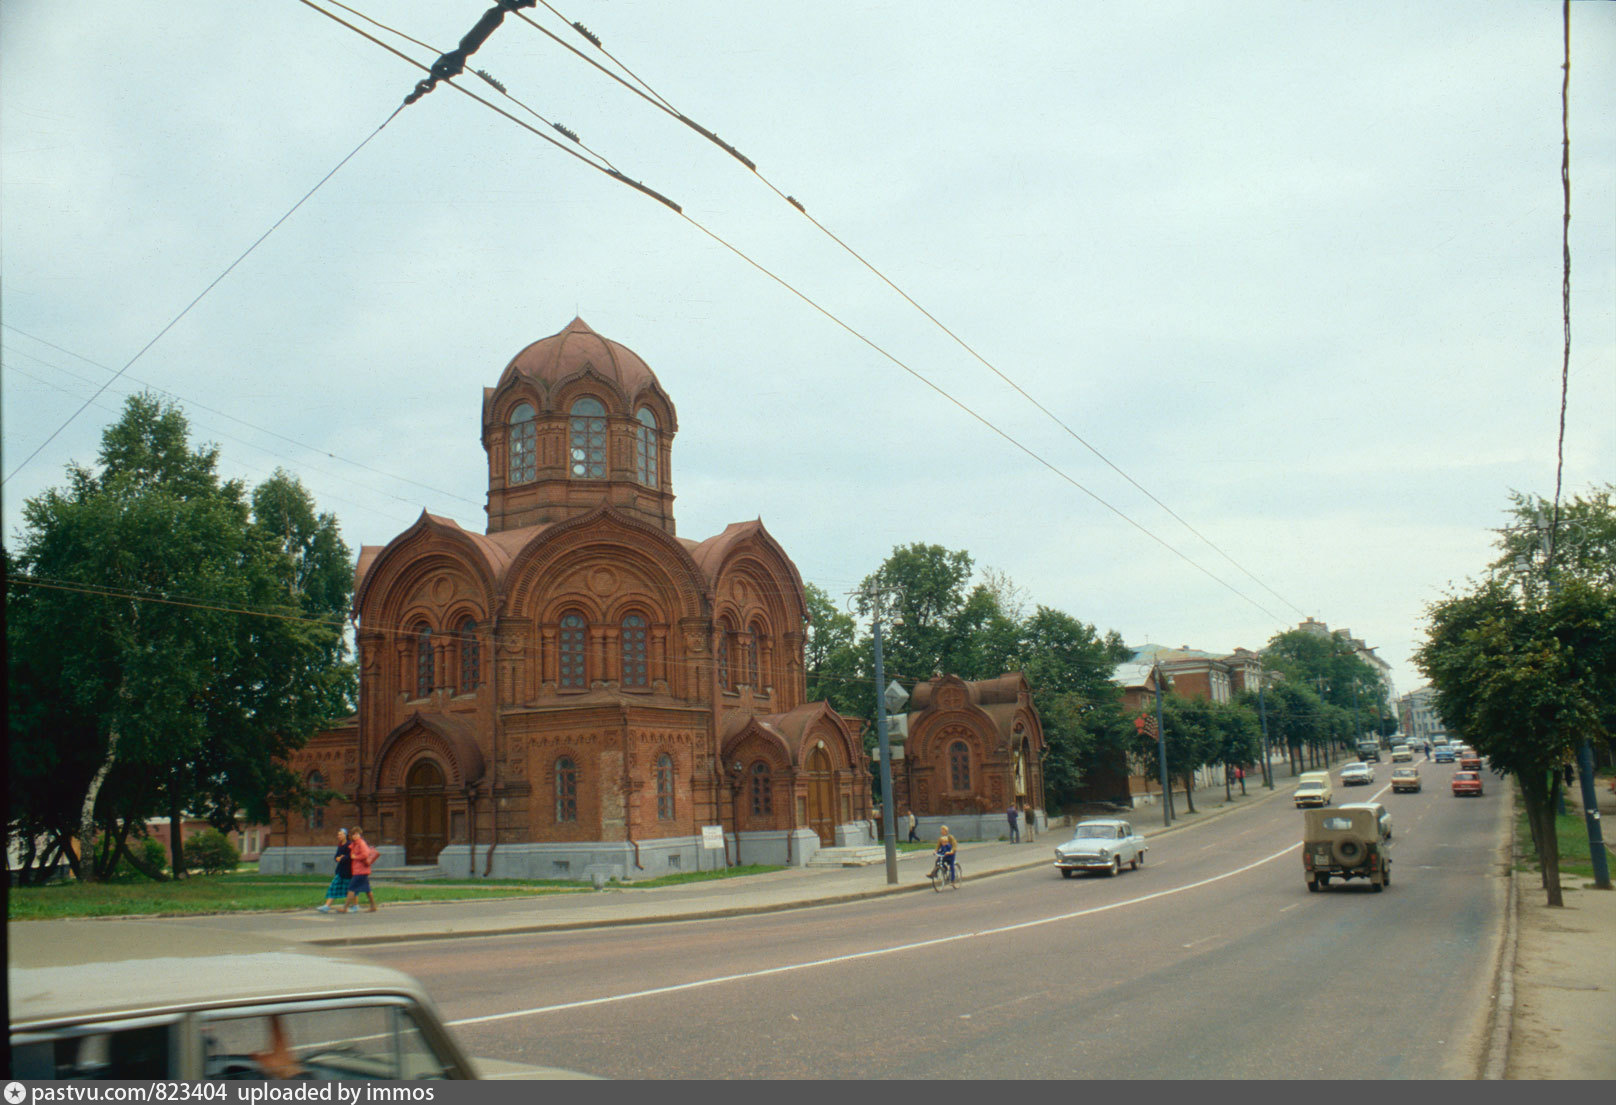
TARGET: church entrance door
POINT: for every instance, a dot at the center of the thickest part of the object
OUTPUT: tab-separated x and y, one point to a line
426	814
821	798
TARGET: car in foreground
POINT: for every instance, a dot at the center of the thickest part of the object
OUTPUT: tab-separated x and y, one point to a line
1101	844
1466	783
1402	754
1357	775
129	1000
1383	817
1344	843
1442	754
1406	779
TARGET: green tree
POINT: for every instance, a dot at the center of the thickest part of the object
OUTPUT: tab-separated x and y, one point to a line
160	654
1583	540
835	661
924	592
1525	678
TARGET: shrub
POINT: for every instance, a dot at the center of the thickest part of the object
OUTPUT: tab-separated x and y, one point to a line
150	852
211	851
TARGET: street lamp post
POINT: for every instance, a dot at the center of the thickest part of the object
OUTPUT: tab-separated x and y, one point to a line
889	817
1262	712
1161	752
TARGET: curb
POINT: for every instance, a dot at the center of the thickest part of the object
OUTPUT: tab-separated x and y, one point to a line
1498	1040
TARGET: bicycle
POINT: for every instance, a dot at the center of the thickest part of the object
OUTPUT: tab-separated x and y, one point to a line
939	874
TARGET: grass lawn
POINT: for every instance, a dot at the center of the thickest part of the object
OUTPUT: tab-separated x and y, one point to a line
247	890
1572	831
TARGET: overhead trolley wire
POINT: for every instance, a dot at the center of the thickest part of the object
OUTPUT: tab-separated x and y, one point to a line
651	96
638	186
215	283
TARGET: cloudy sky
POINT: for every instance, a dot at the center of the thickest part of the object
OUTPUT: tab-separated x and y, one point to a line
1293	268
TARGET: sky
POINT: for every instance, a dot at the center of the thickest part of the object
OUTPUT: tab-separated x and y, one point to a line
1293	269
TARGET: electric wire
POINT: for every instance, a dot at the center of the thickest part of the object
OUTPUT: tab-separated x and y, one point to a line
829	315
663	104
250	425
215	283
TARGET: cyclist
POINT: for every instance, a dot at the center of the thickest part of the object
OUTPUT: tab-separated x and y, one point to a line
947	849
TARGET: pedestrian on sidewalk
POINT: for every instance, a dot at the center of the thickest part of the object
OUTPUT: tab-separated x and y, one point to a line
1240	777
1032	823
912	837
338	890
361	855
1015	831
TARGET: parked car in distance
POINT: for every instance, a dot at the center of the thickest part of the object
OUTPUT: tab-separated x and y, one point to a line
1100	844
144	1001
1470	763
1357	775
1344	843
1466	782
1402	754
1405	778
1369	750
1442	754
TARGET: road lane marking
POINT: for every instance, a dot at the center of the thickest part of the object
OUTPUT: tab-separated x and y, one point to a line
870	954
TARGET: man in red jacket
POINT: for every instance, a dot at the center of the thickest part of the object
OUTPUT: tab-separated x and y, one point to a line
362	856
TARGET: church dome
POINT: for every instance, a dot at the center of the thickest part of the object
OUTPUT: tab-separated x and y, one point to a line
552	361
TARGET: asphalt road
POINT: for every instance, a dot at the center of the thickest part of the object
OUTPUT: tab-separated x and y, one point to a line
1212	961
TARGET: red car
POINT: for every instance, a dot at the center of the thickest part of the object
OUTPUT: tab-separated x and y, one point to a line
1466	782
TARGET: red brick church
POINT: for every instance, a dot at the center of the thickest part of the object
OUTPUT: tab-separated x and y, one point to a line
579	689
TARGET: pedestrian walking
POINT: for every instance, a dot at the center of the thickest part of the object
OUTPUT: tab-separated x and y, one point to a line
361	855
338	890
1015	831
1032	823
912	837
1240	777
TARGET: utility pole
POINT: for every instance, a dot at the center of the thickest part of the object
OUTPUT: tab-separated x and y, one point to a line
1161	752
1262	712
889	817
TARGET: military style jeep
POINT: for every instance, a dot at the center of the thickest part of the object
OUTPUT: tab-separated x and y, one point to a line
1344	843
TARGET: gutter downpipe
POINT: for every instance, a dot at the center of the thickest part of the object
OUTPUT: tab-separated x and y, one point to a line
628	799
493	790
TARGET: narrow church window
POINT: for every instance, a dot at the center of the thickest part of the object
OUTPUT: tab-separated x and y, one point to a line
664	788
572	672
470	661
723	655
316	814
634	670
423	661
645	448
762	790
588	439
523	466
566	790
959	765
752	654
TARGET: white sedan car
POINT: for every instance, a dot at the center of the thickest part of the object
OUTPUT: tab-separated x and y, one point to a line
1358	774
1100	844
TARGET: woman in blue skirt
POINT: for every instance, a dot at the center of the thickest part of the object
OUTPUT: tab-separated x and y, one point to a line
338	890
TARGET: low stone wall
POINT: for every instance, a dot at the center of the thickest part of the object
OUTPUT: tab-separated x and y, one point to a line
308	860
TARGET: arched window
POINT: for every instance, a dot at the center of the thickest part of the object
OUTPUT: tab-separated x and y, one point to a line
572	640
470	660
566	790
588	439
664	788
315	814
722	661
423	661
752	655
762	790
645	447
959	765
633	636
523	467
